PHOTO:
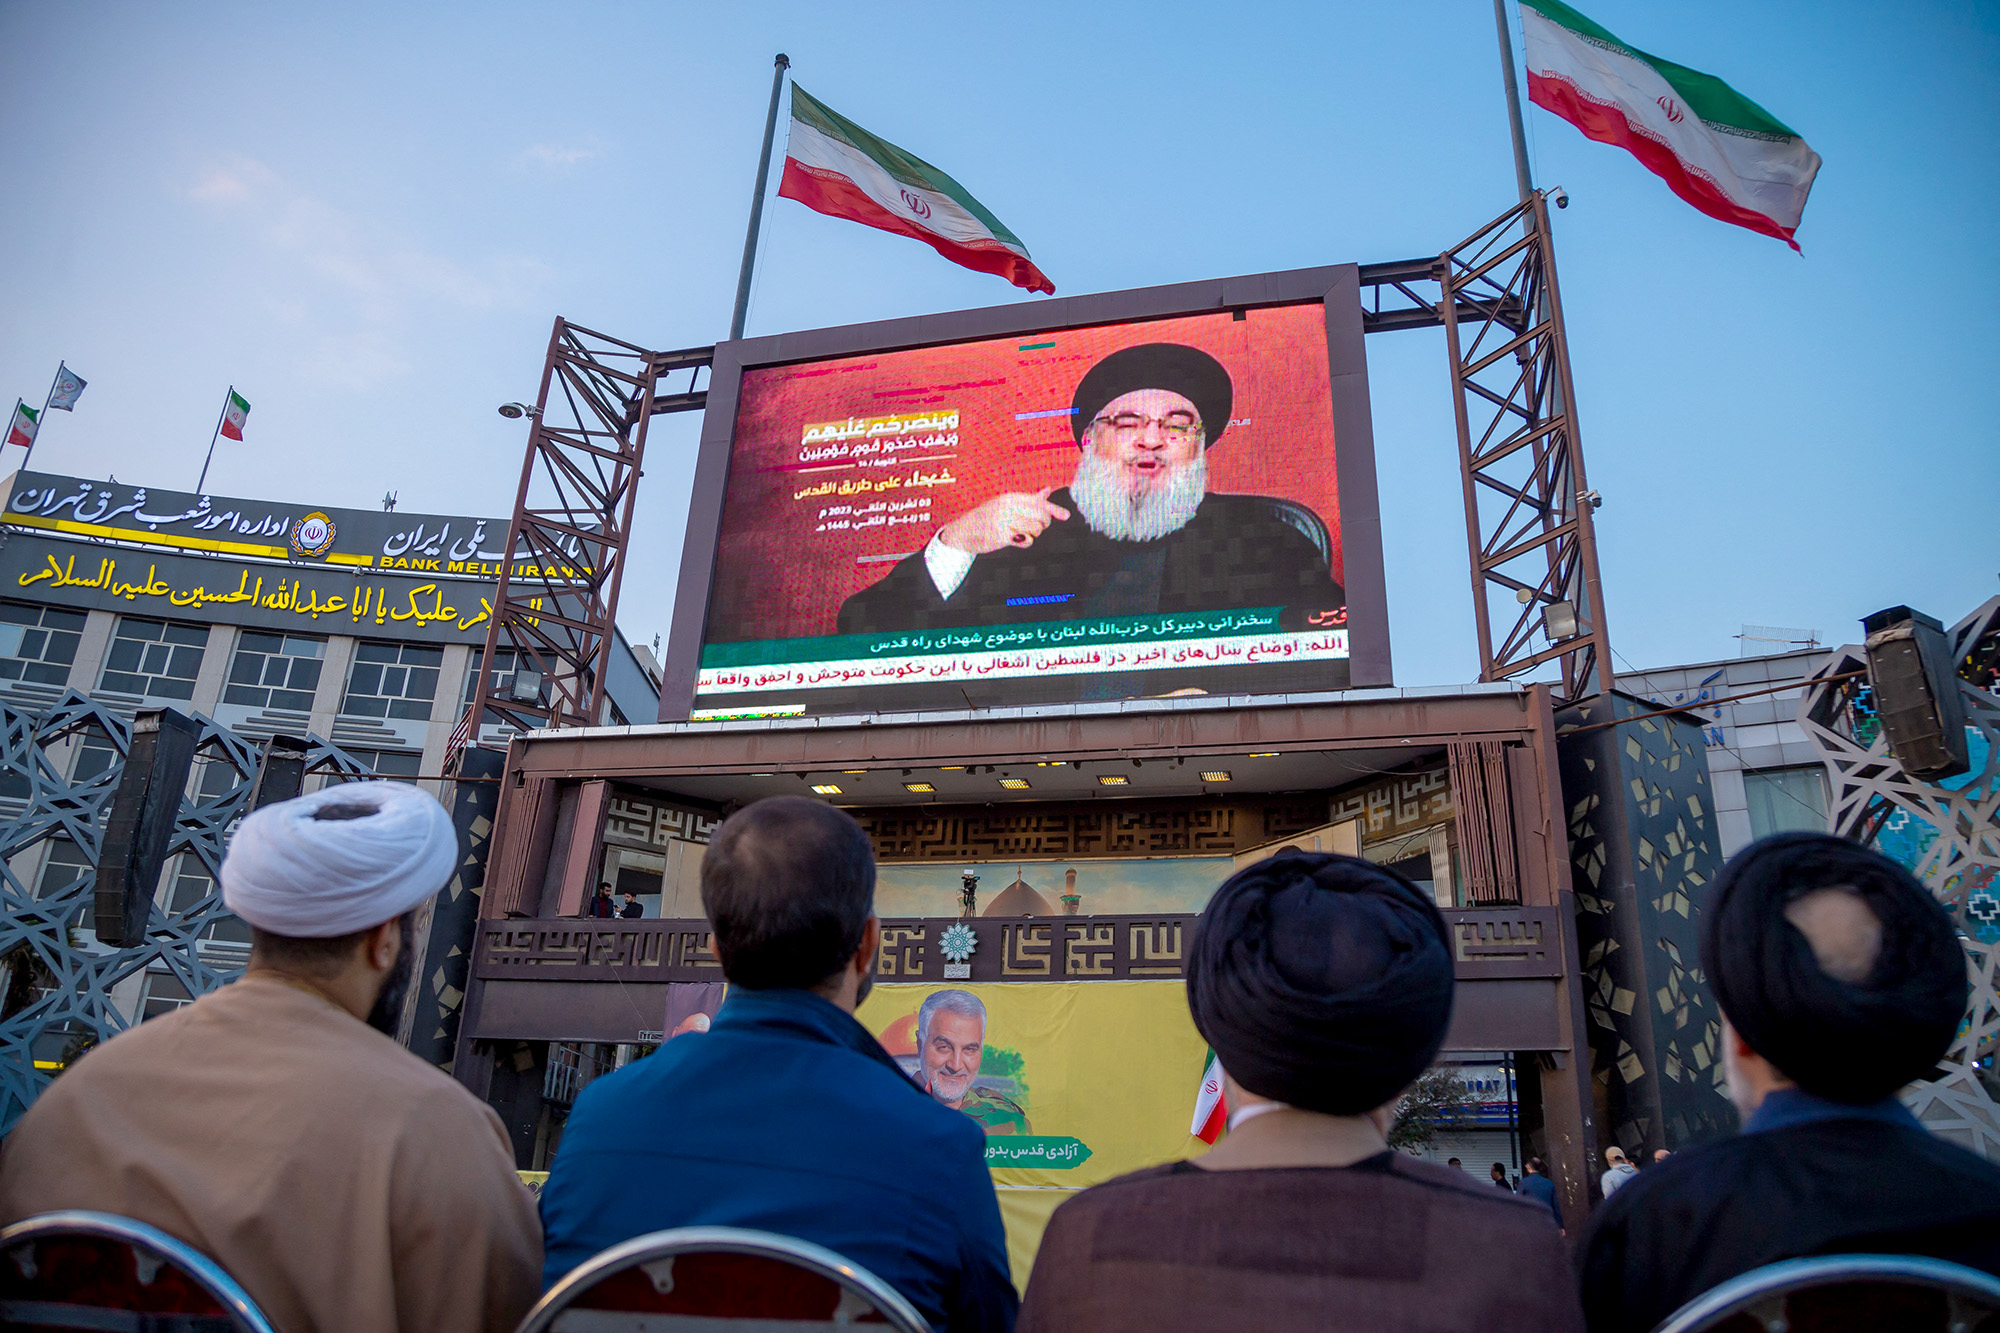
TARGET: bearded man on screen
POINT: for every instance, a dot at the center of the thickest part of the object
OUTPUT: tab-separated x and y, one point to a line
1134	533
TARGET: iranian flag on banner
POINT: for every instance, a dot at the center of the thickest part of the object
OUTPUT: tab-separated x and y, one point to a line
234	415
833	166
1713	146
21	430
1209	1112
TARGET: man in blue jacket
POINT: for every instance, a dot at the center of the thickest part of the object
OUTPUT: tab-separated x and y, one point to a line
787	1115
1535	1183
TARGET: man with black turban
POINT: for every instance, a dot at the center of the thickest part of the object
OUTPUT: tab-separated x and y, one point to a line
1841	980
1324	985
1135	532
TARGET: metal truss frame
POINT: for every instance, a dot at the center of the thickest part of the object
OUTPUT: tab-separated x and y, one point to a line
1529	532
1527	503
554	608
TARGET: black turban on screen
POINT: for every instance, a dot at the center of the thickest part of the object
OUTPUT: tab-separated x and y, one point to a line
1321	981
1851	1042
1187	371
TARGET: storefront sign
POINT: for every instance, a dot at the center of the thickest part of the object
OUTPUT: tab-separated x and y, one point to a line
295	600
428	545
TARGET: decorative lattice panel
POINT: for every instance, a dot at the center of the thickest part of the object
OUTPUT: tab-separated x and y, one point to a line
1947	833
58	772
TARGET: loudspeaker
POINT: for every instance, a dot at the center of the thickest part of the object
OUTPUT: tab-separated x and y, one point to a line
143	812
281	773
1916	692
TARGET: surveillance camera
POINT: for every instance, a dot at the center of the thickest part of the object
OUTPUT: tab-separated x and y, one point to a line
515	411
1560	196
1592	498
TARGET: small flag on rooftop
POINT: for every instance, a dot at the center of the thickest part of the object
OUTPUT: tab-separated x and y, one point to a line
234	414
835	167
26	421
69	388
1714	147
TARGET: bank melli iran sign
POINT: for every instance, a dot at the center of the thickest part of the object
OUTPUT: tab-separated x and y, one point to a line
442	546
296	600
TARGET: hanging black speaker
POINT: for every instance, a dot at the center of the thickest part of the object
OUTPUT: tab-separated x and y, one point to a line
281	772
1915	682
143	812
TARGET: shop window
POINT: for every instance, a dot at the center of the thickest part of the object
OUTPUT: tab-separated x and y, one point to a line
399	764
155	658
397	680
164	994
504	662
38	643
274	671
1782	800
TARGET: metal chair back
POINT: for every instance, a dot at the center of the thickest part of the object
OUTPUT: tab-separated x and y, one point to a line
710	1279
1847	1293
84	1270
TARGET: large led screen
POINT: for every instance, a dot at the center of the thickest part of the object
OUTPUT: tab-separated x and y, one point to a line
1122	511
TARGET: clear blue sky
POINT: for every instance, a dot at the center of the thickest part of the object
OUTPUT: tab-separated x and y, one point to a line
364	216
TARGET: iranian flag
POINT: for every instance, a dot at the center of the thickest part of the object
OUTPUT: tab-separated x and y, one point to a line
835	167
1209	1112
21	430
234	413
1713	146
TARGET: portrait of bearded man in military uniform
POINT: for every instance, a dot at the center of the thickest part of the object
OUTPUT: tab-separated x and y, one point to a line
951	1040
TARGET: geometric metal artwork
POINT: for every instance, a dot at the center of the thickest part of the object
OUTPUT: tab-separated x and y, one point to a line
58	771
1947	833
1643	848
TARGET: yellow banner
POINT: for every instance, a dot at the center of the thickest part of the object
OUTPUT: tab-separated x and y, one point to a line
1073	1082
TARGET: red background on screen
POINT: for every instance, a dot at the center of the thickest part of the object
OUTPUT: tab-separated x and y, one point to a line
776	577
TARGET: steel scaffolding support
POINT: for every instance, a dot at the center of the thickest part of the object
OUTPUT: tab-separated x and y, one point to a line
1528	525
1527	504
549	641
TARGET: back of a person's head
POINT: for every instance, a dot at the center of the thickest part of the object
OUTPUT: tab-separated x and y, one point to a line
1834	964
788	885
312	876
1321	981
1536	1165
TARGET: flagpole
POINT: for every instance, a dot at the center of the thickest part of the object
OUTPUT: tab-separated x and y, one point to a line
213	437
42	420
1521	176
757	200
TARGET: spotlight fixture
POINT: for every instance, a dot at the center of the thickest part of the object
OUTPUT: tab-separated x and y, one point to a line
515	411
1215	775
1559	620
1014	784
1111	779
918	786
1263	754
906	772
1135	763
825	789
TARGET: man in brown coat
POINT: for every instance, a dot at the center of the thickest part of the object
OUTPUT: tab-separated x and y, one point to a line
275	1127
1324	985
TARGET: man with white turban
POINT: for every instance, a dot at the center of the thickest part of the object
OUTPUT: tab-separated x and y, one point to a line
275	1126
